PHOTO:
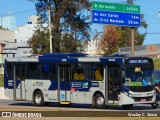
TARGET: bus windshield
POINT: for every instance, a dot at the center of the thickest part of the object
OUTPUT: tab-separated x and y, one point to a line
139	76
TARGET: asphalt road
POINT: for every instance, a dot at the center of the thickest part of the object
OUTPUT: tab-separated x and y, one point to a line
78	110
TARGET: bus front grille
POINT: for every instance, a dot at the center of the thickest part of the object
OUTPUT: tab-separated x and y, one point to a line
142	99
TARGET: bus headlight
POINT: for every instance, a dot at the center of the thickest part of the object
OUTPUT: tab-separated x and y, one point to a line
128	94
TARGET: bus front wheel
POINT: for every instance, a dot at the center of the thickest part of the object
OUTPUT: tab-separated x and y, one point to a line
99	101
38	99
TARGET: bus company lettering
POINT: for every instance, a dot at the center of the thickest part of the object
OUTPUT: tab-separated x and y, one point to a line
37	83
76	84
138	61
10	82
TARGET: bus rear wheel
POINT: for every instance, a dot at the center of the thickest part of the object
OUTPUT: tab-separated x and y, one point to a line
99	101
38	98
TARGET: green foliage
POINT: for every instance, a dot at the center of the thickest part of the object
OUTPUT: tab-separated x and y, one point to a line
66	17
40	41
69	44
1	28
1	80
110	40
157	63
123	38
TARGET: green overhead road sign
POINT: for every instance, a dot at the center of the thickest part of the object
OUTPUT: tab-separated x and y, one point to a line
115	7
107	6
131	8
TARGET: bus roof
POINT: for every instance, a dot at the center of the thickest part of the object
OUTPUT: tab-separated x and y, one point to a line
71	57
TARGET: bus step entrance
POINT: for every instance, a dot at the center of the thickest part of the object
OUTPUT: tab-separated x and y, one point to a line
65	102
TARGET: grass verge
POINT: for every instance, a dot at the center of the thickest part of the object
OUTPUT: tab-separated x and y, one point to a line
1	80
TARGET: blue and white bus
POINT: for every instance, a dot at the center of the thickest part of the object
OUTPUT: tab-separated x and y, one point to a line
81	79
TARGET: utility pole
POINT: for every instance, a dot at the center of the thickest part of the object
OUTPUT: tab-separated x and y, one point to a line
49	27
132	33
49	23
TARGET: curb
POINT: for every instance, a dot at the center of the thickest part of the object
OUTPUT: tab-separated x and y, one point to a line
2	96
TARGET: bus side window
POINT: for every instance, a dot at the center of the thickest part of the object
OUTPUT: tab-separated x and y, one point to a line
96	71
45	71
34	71
98	75
78	72
53	73
9	71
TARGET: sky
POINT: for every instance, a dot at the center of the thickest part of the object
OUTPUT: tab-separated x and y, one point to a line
22	9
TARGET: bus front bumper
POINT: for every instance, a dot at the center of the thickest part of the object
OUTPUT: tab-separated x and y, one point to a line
126	100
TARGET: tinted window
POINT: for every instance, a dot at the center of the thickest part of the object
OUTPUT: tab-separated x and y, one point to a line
49	71
34	70
78	71
95	71
9	71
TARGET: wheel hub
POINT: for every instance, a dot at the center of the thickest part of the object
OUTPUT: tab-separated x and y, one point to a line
38	99
100	101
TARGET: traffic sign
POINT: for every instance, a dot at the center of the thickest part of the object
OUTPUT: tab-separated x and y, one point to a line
116	14
107	6
115	7
131	8
116	18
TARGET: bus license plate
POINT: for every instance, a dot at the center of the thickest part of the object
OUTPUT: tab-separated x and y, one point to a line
143	100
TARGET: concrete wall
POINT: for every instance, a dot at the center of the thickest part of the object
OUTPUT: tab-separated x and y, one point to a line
6	35
2	96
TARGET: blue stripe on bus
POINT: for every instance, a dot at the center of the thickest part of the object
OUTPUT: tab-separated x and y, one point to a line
50	60
54	85
124	89
58	60
72	60
62	55
79	85
105	59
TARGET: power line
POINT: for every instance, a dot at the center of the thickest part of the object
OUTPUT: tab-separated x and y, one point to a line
154	33
19	12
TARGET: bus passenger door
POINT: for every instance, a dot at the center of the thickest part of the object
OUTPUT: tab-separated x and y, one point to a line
19	81
63	83
113	83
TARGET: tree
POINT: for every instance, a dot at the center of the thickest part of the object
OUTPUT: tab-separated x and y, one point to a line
123	37
66	17
110	40
40	41
157	63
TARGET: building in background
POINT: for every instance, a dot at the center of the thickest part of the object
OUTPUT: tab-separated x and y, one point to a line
152	50
33	19
93	46
8	22
16	49
6	35
25	32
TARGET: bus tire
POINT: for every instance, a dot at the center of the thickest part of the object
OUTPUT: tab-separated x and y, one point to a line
99	101
154	105
38	98
127	107
94	101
